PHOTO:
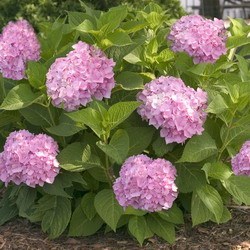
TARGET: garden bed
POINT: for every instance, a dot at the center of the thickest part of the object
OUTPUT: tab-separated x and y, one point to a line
20	234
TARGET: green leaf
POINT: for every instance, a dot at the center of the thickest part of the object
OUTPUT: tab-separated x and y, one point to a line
87	205
89	117
99	174
36	73
7	117
243	67
198	148
80	225
199	212
70	158
118	147
138	146
217	105
133	26
154	19
111	20
7	212
133	211
25	199
212	200
226	216
134	57
57	213
19	97
56	188
161	228
189	178
38	115
75	18
217	170
238	187
165	56
67	179
86	27
66	127
137	226
237	133
120	111
160	147
108	208
174	215
51	42
183	62
118	38
237	41
129	80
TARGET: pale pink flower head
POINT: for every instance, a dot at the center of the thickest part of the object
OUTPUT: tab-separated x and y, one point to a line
176	109
241	161
146	184
29	159
203	39
83	75
18	45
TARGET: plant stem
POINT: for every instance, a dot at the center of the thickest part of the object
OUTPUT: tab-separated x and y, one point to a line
223	147
231	54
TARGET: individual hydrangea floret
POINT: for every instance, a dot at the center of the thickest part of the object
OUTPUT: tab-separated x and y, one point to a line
18	45
84	74
29	159
201	38
176	109
241	161
146	184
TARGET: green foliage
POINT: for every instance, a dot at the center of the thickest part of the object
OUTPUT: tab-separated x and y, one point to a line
94	141
108	208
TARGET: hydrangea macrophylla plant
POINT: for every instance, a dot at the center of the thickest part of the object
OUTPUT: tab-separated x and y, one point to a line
178	110
241	161
202	39
84	74
29	159
146	184
18	45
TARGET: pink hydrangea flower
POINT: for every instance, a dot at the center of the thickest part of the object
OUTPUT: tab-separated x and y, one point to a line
176	109
29	159
146	184
241	161
202	39
84	74
18	45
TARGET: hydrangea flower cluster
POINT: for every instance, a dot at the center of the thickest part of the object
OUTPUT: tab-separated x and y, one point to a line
176	109
241	161
202	39
85	73
18	45
29	159
146	184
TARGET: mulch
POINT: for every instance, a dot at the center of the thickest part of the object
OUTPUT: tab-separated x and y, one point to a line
235	235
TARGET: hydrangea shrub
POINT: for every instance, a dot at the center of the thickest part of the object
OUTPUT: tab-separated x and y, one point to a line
18	45
124	119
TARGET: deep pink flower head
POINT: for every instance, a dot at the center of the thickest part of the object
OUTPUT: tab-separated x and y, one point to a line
29	159
201	38
241	161
84	74
176	109
18	45
146	184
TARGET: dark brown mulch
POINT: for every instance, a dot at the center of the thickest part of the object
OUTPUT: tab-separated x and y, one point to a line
20	234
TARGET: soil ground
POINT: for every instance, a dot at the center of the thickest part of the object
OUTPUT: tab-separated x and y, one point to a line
235	235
